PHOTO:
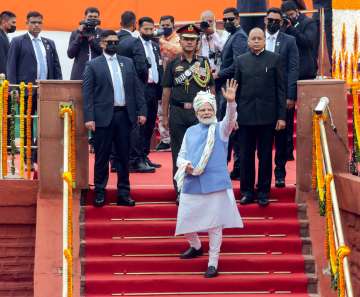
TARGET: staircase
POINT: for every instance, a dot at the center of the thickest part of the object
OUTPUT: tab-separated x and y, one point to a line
132	251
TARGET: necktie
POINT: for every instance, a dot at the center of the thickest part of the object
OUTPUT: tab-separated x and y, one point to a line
119	95
154	70
41	59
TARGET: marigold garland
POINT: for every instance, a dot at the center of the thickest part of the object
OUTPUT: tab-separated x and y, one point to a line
73	148
67	176
28	130
342	252
13	94
335	257
356	123
318	159
1	119
69	259
5	126
330	239
21	128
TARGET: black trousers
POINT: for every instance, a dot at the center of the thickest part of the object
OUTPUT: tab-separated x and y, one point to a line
180	119
141	135
284	145
117	133
255	138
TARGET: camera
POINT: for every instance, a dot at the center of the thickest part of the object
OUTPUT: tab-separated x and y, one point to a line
89	27
204	25
286	19
159	32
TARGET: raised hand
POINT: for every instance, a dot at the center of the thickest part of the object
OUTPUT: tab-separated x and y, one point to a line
230	92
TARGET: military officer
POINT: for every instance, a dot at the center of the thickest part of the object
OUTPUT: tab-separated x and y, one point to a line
184	77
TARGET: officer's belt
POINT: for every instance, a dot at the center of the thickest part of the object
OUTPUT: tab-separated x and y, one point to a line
184	105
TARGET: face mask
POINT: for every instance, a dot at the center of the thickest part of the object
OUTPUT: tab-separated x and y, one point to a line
146	37
273	27
167	32
230	27
12	29
111	48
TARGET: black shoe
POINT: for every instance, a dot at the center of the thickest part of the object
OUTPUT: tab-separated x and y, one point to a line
263	201
152	164
235	174
280	182
191	253
99	200
246	200
162	146
211	272
125	201
141	167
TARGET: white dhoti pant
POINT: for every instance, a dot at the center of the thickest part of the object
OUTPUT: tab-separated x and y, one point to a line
215	240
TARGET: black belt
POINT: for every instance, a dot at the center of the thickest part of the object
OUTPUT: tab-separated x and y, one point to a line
184	105
119	108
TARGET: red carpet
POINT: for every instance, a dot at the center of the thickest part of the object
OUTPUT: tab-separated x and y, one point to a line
132	251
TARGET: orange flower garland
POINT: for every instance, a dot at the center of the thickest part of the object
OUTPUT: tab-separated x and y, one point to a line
342	252
28	130
21	128
1	119
5	126
73	149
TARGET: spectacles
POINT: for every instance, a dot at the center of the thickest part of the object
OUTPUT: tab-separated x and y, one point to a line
228	19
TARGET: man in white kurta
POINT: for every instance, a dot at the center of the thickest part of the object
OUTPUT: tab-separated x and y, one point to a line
207	202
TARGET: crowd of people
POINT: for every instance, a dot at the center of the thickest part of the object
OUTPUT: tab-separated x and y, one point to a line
213	93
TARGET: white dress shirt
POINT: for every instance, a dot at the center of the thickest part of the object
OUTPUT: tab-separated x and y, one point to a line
150	76
119	98
212	43
271	41
42	47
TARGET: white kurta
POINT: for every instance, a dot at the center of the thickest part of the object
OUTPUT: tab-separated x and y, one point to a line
201	212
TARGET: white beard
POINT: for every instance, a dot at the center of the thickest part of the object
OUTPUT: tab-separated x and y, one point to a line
209	121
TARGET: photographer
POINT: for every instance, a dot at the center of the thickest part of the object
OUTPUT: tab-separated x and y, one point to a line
84	42
304	30
211	42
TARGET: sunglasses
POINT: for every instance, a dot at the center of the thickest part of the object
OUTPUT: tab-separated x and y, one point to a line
113	42
274	21
35	22
228	19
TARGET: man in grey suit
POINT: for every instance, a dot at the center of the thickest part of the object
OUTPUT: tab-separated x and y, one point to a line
7	25
284	45
113	103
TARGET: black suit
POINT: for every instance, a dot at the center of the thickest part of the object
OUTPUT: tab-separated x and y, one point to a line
142	137
22	63
285	46
4	48
305	32
132	48
81	50
261	103
113	124
248	23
